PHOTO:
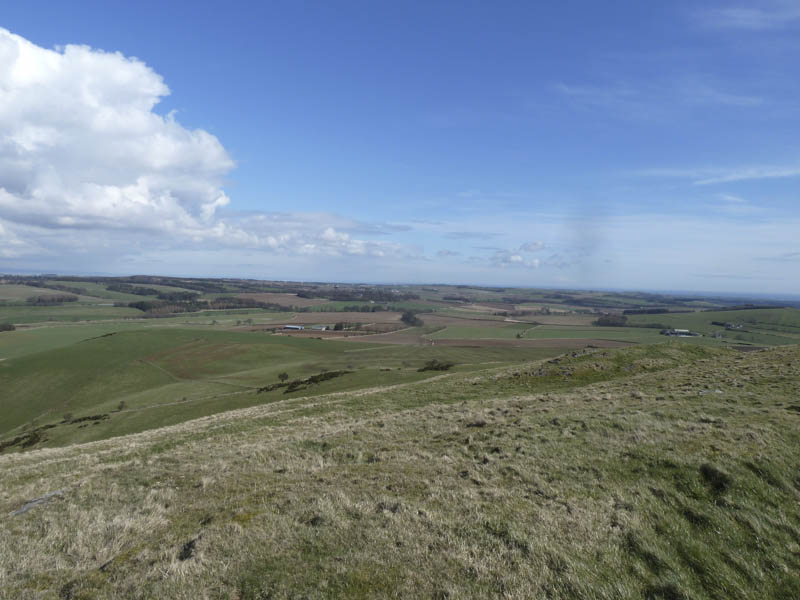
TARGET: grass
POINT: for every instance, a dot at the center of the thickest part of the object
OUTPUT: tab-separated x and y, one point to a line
22	342
70	312
772	326
508	331
400	305
99	290
665	471
20	293
164	375
502	331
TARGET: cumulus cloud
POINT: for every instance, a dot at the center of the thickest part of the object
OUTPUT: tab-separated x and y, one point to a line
80	145
82	149
531	247
509	258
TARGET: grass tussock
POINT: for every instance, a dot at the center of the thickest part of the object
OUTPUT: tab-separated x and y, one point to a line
630	478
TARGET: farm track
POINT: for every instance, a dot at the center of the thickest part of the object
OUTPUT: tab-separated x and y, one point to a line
180	379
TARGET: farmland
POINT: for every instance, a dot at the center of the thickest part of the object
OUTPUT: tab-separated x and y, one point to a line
414	407
652	471
141	370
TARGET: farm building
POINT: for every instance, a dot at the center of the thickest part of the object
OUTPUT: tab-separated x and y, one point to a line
319	327
294	327
679	332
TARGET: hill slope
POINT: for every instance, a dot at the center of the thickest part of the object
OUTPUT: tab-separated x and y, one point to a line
658	472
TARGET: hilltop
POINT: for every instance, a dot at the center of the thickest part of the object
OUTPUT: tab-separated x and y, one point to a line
666	471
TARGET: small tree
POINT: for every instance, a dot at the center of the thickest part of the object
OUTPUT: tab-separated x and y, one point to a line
411	319
283	376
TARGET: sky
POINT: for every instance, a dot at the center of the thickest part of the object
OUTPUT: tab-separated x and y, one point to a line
578	144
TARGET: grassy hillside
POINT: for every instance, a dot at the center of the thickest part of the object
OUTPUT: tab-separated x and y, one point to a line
658	472
137	379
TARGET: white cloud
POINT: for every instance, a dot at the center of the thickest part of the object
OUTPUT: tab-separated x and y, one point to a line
532	246
80	145
770	15
81	149
659	98
512	258
710	176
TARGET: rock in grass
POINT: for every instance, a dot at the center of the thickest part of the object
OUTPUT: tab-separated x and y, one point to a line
37	501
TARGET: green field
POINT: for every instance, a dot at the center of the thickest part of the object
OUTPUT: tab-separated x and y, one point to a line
20	293
66	312
663	472
542	332
510	460
502	331
99	290
773	326
195	372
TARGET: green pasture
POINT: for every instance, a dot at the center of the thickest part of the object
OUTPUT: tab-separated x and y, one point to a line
11	292
623	334
465	313
542	332
339	305
66	312
769	326
142	376
98	290
502	332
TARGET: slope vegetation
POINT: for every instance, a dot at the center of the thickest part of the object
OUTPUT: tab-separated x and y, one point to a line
666	471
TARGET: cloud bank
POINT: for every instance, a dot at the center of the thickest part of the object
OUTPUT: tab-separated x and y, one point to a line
86	162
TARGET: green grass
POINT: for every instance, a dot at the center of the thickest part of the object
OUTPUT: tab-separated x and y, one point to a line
20	293
14	344
655	472
99	290
67	312
338	305
502	331
763	326
194	372
508	331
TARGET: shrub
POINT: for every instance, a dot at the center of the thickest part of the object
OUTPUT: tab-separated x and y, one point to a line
436	365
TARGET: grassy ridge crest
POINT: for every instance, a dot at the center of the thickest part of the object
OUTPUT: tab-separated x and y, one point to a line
664	471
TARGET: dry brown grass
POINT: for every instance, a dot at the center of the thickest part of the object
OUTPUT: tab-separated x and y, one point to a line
459	487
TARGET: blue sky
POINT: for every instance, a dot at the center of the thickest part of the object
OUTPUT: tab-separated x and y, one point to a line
579	144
